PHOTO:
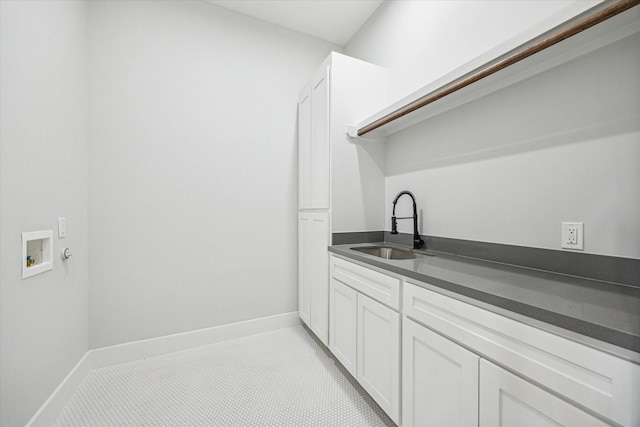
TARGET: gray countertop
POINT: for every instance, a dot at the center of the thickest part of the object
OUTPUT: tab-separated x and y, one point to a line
601	312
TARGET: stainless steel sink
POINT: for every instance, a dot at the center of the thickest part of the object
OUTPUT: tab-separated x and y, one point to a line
389	252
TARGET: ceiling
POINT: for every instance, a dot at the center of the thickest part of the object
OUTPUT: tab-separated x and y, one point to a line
335	21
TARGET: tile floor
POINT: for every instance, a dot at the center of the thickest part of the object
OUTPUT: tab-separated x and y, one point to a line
280	378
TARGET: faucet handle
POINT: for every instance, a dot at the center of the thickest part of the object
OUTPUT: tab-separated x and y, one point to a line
394	225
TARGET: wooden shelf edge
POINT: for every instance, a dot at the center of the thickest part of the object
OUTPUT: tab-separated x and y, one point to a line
404	113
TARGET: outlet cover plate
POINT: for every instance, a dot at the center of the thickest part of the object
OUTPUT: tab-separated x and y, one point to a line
573	235
62	227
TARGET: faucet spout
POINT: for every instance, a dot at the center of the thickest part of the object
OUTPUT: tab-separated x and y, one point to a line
417	241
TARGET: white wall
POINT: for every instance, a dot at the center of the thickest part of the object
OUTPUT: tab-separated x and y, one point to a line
509	168
357	170
419	41
44	322
193	167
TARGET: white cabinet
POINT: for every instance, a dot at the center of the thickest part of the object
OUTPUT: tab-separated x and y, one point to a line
364	333
304	148
304	267
579	376
313	272
340	185
342	324
378	353
535	377
510	401
334	173
445	384
313	141
439	380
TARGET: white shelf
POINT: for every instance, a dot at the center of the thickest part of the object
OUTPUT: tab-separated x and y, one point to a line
581	44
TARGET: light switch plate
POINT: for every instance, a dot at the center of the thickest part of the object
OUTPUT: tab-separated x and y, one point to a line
62	227
573	235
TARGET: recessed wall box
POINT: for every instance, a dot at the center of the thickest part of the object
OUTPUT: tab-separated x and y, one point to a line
37	252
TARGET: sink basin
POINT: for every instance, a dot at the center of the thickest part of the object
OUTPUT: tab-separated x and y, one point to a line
389	252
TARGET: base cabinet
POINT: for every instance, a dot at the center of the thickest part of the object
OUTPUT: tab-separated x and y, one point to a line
445	384
364	335
439	380
466	366
509	401
578	376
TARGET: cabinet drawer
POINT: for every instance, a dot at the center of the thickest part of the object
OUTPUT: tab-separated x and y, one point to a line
599	381
379	286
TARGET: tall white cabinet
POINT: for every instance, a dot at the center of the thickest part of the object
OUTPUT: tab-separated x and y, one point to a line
340	184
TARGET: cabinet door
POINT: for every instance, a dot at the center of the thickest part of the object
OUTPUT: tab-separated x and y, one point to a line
313	272
319	275
378	354
304	268
304	149
343	309
320	139
508	400
439	379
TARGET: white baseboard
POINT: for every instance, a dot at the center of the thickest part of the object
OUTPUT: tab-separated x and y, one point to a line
49	411
137	350
107	356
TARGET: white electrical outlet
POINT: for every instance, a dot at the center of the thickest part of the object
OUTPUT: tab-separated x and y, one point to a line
573	235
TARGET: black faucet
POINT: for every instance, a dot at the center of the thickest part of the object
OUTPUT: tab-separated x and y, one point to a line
417	241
